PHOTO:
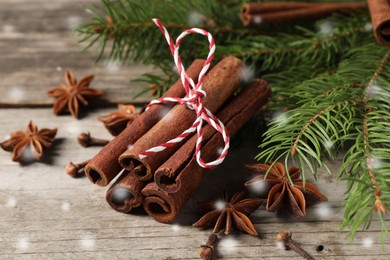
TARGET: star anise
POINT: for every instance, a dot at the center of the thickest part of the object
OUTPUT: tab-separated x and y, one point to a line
35	140
294	196
117	121
226	213
69	96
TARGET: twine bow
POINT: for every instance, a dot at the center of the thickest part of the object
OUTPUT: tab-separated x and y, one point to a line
193	100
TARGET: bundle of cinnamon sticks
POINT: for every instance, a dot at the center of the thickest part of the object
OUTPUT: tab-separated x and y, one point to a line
163	182
276	12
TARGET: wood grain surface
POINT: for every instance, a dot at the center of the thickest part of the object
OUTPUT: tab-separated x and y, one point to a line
45	214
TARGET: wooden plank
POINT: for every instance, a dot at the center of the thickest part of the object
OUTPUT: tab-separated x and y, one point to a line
37	42
45	214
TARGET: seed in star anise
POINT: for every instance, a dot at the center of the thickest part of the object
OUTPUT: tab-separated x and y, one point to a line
69	96
30	143
295	197
117	121
225	213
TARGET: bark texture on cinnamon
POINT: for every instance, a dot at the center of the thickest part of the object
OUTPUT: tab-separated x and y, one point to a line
125	193
186	173
104	167
380	18
219	84
260	13
169	176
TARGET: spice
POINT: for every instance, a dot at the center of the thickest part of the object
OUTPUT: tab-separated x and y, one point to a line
260	13
75	170
170	176
30	143
187	176
285	239
105	166
86	140
295	195
219	84
225	214
125	194
69	96
117	121
206	251
380	17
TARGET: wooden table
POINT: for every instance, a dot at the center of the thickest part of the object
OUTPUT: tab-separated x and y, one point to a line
45	214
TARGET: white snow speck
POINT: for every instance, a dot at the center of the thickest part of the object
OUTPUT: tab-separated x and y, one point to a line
329	144
65	206
73	21
220	204
368	242
23	243
16	93
326	28
279	118
368	27
195	18
87	242
247	73
11	202
257	19
175	228
7	28
259	187
323	210
280	245
228	244
129	146
113	66
59	68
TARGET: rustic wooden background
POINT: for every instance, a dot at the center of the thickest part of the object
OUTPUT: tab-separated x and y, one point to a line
44	214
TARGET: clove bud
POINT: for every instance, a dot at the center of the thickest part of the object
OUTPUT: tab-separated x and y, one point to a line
86	140
74	170
286	240
206	251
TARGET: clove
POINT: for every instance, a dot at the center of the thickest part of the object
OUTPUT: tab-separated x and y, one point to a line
75	170
286	240
86	140
206	251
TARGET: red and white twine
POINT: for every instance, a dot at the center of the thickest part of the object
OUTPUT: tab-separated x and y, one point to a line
193	100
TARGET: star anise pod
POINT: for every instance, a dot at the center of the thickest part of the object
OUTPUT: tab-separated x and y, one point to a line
32	138
117	121
69	96
226	213
294	196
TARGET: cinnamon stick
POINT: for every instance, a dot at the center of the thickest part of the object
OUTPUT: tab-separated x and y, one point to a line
277	14
380	18
164	206
219	84
125	193
169	177
105	166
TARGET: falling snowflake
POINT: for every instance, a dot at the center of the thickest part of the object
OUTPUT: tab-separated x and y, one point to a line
220	204
175	228
259	187
87	242
16	93
368	27
247	73
367	242
59	68
195	18
113	66
279	118
73	21
65	206
228	244
324	211
325	28
257	19
11	202
23	243
7	28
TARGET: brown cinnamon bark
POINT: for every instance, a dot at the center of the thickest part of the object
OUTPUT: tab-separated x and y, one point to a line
314	11
219	84
125	194
105	166
169	177
264	7
164	206
380	18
